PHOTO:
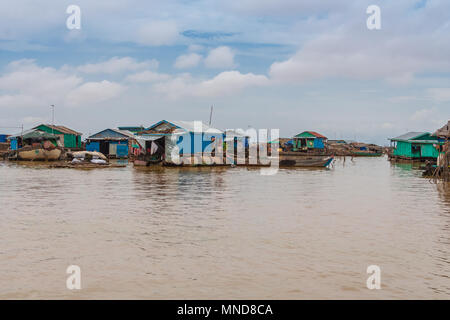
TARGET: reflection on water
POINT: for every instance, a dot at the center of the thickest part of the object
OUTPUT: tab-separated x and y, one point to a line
224	232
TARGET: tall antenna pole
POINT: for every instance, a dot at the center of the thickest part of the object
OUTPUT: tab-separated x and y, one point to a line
210	115
53	118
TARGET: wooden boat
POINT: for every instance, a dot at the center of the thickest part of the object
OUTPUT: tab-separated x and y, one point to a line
294	159
147	163
140	163
39	154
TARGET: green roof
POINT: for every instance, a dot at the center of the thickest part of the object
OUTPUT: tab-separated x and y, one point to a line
410	136
309	134
34	134
39	135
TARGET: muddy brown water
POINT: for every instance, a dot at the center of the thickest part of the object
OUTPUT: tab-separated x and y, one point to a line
215	233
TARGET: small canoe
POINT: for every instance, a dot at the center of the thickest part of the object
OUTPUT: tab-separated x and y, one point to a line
291	159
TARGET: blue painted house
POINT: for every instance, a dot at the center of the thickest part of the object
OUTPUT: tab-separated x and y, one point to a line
113	143
191	137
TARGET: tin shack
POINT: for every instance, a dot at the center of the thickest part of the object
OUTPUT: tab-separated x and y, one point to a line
113	143
309	140
415	146
190	138
69	139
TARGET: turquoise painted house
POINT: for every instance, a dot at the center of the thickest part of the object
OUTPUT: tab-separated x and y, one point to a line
69	138
416	146
309	140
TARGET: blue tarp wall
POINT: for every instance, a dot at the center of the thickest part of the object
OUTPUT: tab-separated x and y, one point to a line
318	143
13	144
93	146
196	142
122	150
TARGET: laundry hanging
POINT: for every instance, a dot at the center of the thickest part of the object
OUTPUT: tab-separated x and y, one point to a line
153	148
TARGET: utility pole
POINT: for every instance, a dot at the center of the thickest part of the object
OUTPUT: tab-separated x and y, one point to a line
210	115
53	118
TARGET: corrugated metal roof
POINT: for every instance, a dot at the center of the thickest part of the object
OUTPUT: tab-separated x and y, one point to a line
142	139
132	128
63	129
425	141
318	135
409	136
20	134
104	135
188	126
125	132
34	134
313	133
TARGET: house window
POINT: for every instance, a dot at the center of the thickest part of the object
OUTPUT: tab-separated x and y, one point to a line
415	148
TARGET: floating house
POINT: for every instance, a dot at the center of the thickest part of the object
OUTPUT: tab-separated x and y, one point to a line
443	161
70	139
35	145
113	143
192	138
4	138
309	140
32	136
4	145
443	134
418	146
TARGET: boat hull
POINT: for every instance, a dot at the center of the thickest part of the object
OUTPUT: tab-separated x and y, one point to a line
140	163
39	154
311	161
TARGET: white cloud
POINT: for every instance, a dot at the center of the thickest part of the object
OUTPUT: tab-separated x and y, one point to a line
146	76
25	84
118	65
195	48
94	92
187	61
220	57
19	101
27	78
439	94
423	114
157	33
224	83
387	125
403	99
349	54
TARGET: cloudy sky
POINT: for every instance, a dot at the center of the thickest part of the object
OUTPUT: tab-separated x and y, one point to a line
290	64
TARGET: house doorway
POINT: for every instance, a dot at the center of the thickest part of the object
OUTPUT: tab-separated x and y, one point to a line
416	150
104	147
